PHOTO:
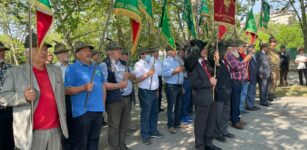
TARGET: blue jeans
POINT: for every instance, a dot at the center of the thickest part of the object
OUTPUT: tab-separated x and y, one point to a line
251	95
243	95
174	102
149	112
236	88
186	101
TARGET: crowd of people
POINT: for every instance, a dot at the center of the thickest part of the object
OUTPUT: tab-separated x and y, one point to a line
63	105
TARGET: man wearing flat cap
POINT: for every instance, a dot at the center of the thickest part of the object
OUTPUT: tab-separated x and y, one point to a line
6	113
48	125
85	84
119	89
264	73
274	62
238	74
283	65
148	84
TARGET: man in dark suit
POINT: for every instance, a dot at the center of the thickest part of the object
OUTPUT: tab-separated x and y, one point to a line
251	91
264	74
284	65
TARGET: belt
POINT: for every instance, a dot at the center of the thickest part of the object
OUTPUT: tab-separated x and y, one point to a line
126	96
174	84
237	81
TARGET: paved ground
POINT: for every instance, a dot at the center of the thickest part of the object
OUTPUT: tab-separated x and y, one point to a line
283	126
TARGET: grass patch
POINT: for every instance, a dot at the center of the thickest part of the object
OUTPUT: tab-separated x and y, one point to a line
294	90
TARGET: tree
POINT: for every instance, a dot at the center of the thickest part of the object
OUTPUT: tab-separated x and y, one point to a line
299	7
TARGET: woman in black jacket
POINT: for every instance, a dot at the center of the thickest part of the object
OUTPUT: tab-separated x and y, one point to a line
201	78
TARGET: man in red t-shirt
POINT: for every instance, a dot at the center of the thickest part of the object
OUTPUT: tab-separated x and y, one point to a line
46	127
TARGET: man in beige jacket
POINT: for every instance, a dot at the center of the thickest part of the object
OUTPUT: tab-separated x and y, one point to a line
47	126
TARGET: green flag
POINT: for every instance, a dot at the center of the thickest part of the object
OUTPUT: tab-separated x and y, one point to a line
265	15
130	8
250	25
204	9
188	17
166	29
146	8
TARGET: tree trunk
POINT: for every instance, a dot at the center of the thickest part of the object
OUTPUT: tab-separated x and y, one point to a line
304	22
8	32
180	24
107	22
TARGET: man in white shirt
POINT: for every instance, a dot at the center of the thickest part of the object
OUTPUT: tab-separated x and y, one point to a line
301	60
148	84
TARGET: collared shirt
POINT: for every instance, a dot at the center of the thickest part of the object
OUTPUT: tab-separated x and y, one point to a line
158	65
63	68
119	70
2	73
301	58
151	83
168	65
237	68
79	74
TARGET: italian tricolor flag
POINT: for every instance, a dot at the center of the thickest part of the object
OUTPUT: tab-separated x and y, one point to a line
44	19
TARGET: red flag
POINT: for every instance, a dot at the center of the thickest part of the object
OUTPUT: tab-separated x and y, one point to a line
222	31
44	19
224	11
135	32
252	37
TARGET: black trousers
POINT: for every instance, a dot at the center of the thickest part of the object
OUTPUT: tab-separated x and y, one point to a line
6	129
67	145
86	131
283	76
160	93
300	75
204	125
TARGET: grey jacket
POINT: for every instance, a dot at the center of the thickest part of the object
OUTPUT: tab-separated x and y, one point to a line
16	80
263	65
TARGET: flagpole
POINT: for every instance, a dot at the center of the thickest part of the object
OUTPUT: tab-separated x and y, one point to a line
30	57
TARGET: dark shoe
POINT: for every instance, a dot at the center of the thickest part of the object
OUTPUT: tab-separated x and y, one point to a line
238	126
244	112
124	148
104	123
147	141
229	135
250	108
212	147
256	108
157	135
265	104
133	129
221	139
243	122
160	110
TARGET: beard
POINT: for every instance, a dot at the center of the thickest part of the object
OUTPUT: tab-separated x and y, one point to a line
235	53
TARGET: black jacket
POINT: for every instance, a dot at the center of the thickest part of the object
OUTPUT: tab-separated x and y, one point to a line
201	87
223	86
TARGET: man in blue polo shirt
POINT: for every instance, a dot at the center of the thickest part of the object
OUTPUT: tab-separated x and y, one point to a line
86	116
